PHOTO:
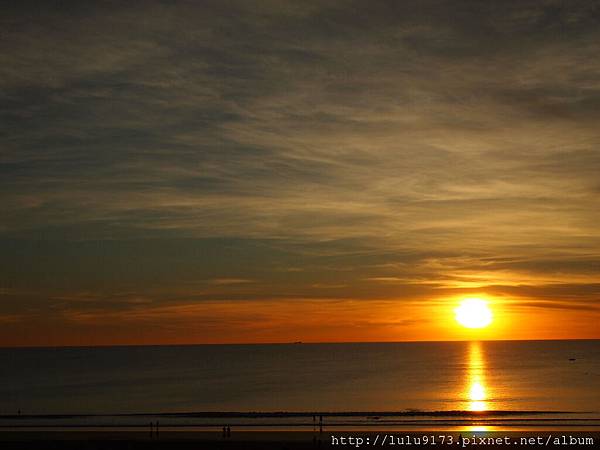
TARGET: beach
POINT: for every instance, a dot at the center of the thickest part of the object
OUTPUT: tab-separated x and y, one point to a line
112	439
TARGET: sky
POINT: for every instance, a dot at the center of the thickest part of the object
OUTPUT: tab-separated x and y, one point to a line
274	171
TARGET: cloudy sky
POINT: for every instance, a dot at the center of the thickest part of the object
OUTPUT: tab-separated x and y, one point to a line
270	171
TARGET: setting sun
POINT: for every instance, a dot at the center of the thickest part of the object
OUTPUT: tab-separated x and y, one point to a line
473	313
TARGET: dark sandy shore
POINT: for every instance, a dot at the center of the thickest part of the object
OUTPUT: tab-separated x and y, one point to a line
281	430
118	440
292	440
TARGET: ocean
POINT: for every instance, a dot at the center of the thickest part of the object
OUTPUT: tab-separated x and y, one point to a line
295	381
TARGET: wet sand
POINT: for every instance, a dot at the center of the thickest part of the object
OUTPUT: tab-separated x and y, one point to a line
289	440
281	430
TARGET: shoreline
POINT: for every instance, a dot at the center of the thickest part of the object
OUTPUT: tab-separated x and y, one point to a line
265	414
302	421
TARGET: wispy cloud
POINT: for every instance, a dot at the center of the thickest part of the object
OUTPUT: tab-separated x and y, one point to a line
226	281
422	146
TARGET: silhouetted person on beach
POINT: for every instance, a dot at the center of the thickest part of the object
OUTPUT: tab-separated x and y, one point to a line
224	431
228	431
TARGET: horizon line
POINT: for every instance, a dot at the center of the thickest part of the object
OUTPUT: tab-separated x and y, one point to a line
2	347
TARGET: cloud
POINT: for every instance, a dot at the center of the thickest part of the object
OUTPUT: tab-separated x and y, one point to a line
432	146
386	279
226	281
558	305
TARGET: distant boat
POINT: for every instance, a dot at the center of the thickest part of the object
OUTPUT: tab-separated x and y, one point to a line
298	342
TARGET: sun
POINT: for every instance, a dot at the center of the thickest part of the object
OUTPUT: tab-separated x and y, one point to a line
473	313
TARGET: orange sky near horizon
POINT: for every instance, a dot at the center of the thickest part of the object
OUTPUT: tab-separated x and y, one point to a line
312	320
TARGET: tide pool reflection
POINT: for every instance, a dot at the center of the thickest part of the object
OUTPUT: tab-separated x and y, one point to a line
476	393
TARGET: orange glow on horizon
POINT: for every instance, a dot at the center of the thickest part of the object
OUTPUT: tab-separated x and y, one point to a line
306	320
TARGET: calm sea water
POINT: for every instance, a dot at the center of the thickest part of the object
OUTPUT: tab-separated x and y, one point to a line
531	375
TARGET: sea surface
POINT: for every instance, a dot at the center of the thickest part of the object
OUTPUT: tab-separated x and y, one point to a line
374	380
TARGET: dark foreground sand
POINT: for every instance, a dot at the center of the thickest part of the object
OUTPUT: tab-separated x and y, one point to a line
290	440
179	440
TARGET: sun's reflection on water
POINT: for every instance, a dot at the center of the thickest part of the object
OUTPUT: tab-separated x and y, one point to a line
476	393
